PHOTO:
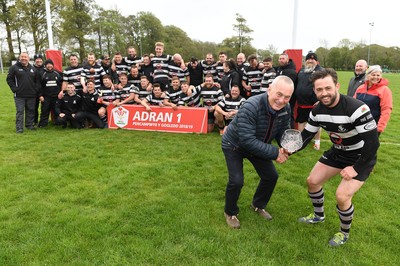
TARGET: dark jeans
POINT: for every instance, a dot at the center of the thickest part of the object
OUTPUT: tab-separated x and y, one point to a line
81	116
265	169
24	106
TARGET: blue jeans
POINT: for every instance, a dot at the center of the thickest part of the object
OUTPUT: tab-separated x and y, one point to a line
265	169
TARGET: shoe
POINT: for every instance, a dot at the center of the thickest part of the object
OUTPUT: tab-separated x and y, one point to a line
262	212
316	147
338	239
311	219
232	221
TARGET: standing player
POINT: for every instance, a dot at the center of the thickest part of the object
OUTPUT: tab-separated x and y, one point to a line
72	74
160	64
353	132
92	71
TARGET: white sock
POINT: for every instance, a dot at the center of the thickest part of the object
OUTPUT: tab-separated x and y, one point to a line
317	141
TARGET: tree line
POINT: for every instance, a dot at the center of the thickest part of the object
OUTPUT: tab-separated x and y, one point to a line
81	26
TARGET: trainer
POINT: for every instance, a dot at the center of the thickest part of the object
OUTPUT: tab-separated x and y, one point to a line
261	119
24	82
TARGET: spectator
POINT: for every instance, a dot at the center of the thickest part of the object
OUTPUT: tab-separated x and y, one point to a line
377	95
306	98
359	77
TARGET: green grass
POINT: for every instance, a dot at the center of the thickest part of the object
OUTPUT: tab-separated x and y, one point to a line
119	197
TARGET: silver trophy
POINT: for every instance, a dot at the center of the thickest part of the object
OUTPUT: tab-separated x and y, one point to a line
291	140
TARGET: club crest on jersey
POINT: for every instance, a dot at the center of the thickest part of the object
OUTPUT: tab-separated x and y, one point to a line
120	116
341	129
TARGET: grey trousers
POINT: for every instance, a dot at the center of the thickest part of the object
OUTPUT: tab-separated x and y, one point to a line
24	106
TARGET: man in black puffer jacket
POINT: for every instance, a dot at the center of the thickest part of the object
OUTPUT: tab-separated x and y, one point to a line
261	119
24	82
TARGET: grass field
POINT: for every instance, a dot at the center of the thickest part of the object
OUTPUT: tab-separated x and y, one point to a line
119	197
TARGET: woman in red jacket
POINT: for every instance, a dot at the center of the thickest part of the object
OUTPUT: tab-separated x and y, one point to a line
377	95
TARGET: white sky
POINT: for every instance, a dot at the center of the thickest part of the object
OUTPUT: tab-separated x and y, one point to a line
318	21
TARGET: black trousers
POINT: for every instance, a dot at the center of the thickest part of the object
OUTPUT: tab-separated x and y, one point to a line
265	169
47	106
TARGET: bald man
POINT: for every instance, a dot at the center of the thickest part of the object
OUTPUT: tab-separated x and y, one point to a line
359	74
24	82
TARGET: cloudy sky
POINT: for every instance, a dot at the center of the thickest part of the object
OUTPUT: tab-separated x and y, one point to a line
319	22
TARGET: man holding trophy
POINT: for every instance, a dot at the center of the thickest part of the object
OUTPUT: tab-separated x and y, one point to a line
353	133
261	119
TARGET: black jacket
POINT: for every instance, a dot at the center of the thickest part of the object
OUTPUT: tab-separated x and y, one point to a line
23	81
354	83
305	89
68	105
228	80
255	126
51	84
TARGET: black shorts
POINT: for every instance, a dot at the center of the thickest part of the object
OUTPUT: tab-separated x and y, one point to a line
303	114
334	159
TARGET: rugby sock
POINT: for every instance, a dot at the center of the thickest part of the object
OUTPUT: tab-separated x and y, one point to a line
317	199
346	217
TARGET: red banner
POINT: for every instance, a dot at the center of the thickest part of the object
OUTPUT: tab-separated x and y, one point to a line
135	117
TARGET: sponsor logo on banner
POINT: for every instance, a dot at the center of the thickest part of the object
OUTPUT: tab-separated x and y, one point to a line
121	116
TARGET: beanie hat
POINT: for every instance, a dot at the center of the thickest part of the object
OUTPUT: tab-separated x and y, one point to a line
48	61
311	55
36	56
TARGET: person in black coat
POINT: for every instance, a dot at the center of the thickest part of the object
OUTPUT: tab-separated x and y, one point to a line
24	81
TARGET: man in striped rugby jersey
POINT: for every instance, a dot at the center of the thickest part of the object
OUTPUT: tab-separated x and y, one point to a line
353	133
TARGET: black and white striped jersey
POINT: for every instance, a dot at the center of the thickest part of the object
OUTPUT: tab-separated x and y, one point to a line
210	96
267	79
160	64
344	123
125	92
253	78
176	70
209	69
141	92
194	100
130	61
73	75
135	81
122	67
94	72
173	95
107	94
152	100
230	104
